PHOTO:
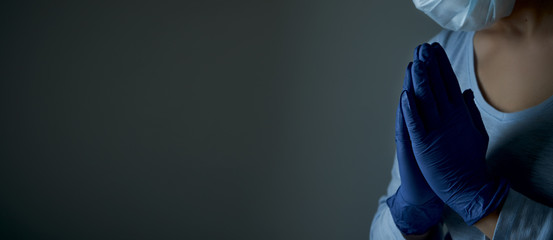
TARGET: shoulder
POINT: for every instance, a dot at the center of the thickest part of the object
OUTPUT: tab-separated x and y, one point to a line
454	42
451	38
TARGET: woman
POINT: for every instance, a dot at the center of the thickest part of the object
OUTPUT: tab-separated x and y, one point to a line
471	169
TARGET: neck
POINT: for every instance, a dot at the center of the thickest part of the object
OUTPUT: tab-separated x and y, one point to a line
528	17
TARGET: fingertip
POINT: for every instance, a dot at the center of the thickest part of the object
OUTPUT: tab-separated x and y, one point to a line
468	94
416	52
409	65
438	49
436	45
425	52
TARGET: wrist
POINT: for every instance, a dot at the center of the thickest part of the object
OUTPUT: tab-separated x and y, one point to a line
487	224
433	233
415	219
482	201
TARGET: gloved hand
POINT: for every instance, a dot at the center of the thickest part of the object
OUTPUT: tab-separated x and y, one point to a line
414	207
449	139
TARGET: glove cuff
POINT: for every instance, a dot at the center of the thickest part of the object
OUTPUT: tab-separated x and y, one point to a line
415	219
486	200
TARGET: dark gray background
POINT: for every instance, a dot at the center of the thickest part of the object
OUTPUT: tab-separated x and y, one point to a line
199	120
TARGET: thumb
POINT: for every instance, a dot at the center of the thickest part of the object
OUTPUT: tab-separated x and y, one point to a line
413	121
402	134
468	96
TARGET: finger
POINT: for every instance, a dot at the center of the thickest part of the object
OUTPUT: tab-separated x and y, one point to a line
402	134
421	51
423	95
468	96
407	80
415	126
450	80
416	190
416	53
426	54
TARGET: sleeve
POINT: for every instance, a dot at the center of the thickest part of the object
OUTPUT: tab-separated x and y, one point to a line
523	218
383	226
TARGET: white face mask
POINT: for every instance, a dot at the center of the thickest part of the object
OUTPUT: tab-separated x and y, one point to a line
465	15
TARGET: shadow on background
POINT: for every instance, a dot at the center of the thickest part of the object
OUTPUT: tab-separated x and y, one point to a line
206	120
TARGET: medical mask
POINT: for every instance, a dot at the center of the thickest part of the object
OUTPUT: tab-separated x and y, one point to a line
465	15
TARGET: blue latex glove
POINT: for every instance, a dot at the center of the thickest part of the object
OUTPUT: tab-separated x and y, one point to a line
449	138
414	207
